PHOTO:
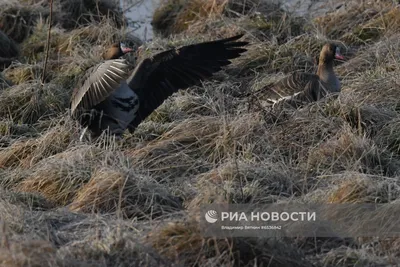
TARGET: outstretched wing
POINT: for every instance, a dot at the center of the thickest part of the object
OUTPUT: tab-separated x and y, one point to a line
98	83
155	79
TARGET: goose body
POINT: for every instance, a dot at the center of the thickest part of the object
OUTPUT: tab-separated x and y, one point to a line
109	97
309	87
115	112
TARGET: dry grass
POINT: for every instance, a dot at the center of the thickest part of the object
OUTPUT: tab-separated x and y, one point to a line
345	256
27	200
174	16
115	191
388	136
135	202
104	243
182	240
28	152
244	183
292	138
32	253
183	243
30	102
179	152
74	14
346	151
19	19
57	178
360	22
361	188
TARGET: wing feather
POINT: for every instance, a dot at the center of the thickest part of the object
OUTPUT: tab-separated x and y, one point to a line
98	83
302	87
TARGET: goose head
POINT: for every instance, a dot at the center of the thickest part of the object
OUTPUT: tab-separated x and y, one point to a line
117	50
330	52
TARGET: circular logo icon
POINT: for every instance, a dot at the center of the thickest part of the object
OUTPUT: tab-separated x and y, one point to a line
211	216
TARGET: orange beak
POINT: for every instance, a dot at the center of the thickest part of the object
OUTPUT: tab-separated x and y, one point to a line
125	49
338	55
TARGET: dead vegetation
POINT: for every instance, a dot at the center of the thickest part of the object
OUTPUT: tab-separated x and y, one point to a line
135	202
18	19
175	16
125	194
183	242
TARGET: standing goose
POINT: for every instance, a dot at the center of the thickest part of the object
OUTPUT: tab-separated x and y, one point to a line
97	80
311	87
108	100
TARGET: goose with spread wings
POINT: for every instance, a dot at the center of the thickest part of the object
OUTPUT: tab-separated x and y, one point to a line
111	98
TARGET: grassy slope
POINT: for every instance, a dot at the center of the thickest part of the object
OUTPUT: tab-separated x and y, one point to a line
69	203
